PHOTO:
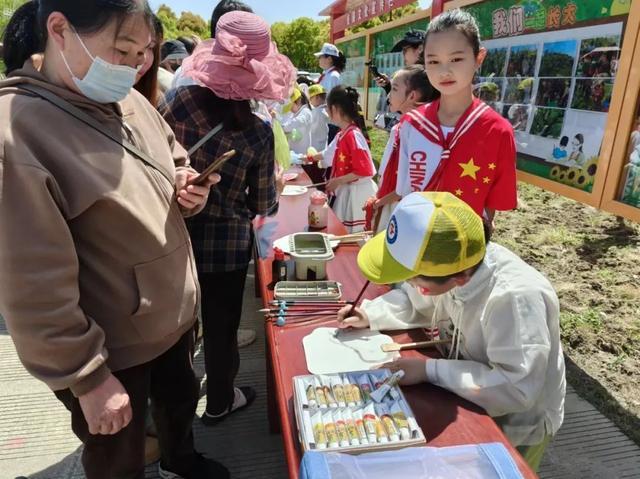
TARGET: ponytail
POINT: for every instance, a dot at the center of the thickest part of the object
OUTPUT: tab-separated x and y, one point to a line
21	38
26	32
346	100
339	62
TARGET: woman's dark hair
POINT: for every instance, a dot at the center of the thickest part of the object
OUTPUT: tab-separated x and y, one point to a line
188	43
26	32
580	138
416	79
339	62
459	20
345	99
148	84
235	115
443	279
226	6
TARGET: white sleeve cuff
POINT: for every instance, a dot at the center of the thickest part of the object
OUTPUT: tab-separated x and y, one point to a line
432	370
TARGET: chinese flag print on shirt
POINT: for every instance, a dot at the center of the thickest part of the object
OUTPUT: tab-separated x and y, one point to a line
476	162
352	154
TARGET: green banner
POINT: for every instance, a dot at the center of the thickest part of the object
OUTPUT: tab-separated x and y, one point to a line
354	48
384	41
504	18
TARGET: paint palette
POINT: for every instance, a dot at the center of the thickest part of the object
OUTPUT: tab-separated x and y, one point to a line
294	190
309	290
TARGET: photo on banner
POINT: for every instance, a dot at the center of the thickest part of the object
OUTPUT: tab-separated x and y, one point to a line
629	190
555	65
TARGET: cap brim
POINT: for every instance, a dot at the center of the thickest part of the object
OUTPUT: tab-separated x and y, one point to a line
377	264
176	56
287	108
319	54
399	46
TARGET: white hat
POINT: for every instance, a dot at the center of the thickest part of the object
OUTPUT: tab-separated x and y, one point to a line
328	49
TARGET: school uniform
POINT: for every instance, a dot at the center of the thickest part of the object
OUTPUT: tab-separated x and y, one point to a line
475	160
300	121
388	176
349	153
330	79
319	127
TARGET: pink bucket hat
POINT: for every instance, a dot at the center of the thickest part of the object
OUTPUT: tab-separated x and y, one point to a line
242	63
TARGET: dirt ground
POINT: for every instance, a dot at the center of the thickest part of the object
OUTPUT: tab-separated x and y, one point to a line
593	260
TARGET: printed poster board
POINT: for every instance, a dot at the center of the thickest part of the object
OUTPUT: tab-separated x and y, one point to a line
552	79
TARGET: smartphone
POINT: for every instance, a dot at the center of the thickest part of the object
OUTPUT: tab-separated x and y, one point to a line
212	168
374	69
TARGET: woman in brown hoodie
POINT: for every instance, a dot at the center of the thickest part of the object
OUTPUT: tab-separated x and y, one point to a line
99	286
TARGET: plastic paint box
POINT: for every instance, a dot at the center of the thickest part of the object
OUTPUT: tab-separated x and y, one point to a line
311	251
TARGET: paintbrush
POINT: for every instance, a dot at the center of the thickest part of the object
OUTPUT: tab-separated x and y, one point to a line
298	309
393	347
308	314
296	302
353	307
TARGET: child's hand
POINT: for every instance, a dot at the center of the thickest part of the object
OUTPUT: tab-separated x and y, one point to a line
359	320
415	370
333	185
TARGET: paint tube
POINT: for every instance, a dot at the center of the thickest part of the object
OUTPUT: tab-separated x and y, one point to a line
389	383
320	397
357	394
341	428
401	421
362	432
413	424
338	391
326	387
370	423
381	432
330	429
365	387
354	437
319	435
389	426
348	392
308	428
311	395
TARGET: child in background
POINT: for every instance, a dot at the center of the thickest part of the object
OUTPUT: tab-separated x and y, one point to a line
410	88
298	126
458	143
320	117
350	159
560	151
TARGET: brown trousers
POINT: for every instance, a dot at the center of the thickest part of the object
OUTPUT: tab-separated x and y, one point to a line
170	382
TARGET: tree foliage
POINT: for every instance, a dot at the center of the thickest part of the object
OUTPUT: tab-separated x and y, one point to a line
186	25
300	39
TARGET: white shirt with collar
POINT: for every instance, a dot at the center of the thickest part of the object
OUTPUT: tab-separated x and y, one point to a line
330	80
300	121
509	359
319	127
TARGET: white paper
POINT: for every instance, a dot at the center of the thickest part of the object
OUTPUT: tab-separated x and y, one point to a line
355	350
293	190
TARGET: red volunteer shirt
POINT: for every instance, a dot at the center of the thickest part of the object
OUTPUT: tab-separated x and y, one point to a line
476	162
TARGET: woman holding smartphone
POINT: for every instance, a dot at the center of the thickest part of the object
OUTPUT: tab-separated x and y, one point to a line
240	65
99	286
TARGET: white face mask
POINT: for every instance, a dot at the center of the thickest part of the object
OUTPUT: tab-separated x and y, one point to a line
104	82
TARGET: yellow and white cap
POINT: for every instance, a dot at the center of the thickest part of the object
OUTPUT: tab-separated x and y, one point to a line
430	234
295	96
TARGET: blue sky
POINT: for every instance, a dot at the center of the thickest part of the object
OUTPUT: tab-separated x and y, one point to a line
271	10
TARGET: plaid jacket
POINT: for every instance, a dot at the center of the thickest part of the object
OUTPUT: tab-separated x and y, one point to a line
222	232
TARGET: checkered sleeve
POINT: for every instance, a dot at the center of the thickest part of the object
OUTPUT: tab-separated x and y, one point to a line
262	198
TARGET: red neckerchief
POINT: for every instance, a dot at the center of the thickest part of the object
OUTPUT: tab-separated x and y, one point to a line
425	120
341	135
390	175
325	74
